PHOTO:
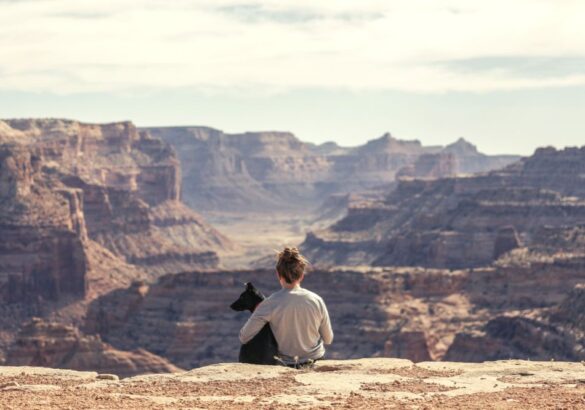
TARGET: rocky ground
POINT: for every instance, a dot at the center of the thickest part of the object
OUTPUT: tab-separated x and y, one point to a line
364	383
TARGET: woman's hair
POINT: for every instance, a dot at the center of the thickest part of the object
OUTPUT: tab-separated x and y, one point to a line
291	264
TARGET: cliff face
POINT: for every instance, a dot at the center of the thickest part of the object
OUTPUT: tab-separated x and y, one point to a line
268	170
186	317
46	344
121	184
162	238
462	222
85	209
413	313
554	333
43	232
113	155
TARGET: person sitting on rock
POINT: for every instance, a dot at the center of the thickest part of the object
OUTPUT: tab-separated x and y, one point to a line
298	317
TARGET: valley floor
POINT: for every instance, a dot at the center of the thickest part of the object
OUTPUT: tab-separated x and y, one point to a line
259	236
361	384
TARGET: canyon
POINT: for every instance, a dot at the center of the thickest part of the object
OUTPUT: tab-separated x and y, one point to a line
263	171
122	247
464	222
85	209
516	232
272	182
123	189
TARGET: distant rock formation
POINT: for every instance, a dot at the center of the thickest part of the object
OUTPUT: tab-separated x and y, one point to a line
464	221
471	161
431	166
259	171
439	267
55	345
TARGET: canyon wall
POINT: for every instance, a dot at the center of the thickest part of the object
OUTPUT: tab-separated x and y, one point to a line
42	231
186	317
556	333
463	221
123	186
411	313
261	171
518	233
85	209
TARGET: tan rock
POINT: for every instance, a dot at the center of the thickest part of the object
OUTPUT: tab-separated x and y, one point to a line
361	384
54	345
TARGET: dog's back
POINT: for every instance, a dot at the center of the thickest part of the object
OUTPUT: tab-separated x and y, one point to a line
263	347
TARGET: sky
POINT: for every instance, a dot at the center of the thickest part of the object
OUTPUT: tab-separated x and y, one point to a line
507	75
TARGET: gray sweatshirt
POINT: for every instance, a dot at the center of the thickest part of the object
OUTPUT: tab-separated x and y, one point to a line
299	320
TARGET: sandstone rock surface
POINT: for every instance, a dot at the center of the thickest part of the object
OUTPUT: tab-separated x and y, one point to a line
42	231
361	384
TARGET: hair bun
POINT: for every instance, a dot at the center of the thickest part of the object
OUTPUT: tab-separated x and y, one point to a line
291	264
290	254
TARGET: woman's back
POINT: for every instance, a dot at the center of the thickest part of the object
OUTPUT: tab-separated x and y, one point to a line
300	323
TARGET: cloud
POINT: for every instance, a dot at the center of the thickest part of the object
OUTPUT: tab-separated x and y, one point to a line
80	15
254	12
526	67
68	46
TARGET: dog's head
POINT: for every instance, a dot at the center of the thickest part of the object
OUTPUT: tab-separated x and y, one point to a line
248	300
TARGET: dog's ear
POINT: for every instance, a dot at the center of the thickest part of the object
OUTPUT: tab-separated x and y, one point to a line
249	286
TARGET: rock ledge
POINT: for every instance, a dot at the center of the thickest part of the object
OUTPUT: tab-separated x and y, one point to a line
363	383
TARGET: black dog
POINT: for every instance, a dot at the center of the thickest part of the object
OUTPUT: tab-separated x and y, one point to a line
263	347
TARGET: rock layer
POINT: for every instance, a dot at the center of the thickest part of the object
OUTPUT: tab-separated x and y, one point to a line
43	232
54	345
411	313
260	171
186	317
555	333
122	186
462	222
84	209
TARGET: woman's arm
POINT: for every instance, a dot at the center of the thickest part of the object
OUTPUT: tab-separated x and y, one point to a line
325	328
256	322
